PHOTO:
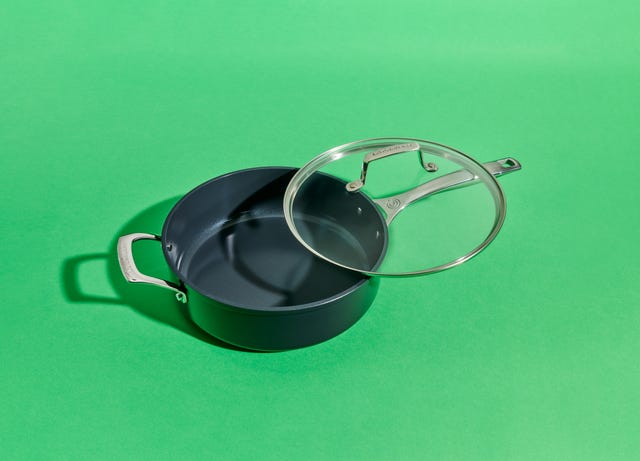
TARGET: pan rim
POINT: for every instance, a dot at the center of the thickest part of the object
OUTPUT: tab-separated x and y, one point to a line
258	310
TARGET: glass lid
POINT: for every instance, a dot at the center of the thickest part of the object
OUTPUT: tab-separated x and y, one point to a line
396	206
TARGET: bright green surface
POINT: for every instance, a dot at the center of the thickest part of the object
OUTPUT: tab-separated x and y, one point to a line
108	113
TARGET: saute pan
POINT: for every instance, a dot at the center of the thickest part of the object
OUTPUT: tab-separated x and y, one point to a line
249	281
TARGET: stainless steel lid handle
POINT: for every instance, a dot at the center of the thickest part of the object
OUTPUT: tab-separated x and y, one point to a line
396	203
130	270
356	185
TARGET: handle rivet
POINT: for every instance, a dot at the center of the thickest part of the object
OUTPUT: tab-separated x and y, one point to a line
430	167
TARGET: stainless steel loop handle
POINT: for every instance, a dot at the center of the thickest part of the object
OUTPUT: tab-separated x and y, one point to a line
130	270
356	185
396	203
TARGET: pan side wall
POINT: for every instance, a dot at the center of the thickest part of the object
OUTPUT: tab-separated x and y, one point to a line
281	330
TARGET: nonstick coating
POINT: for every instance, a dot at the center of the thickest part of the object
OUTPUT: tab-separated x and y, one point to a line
228	240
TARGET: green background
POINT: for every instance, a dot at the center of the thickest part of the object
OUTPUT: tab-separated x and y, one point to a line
110	111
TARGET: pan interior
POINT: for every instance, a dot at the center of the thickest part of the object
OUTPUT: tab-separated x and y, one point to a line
228	240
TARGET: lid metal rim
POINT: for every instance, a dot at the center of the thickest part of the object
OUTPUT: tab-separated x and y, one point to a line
336	153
